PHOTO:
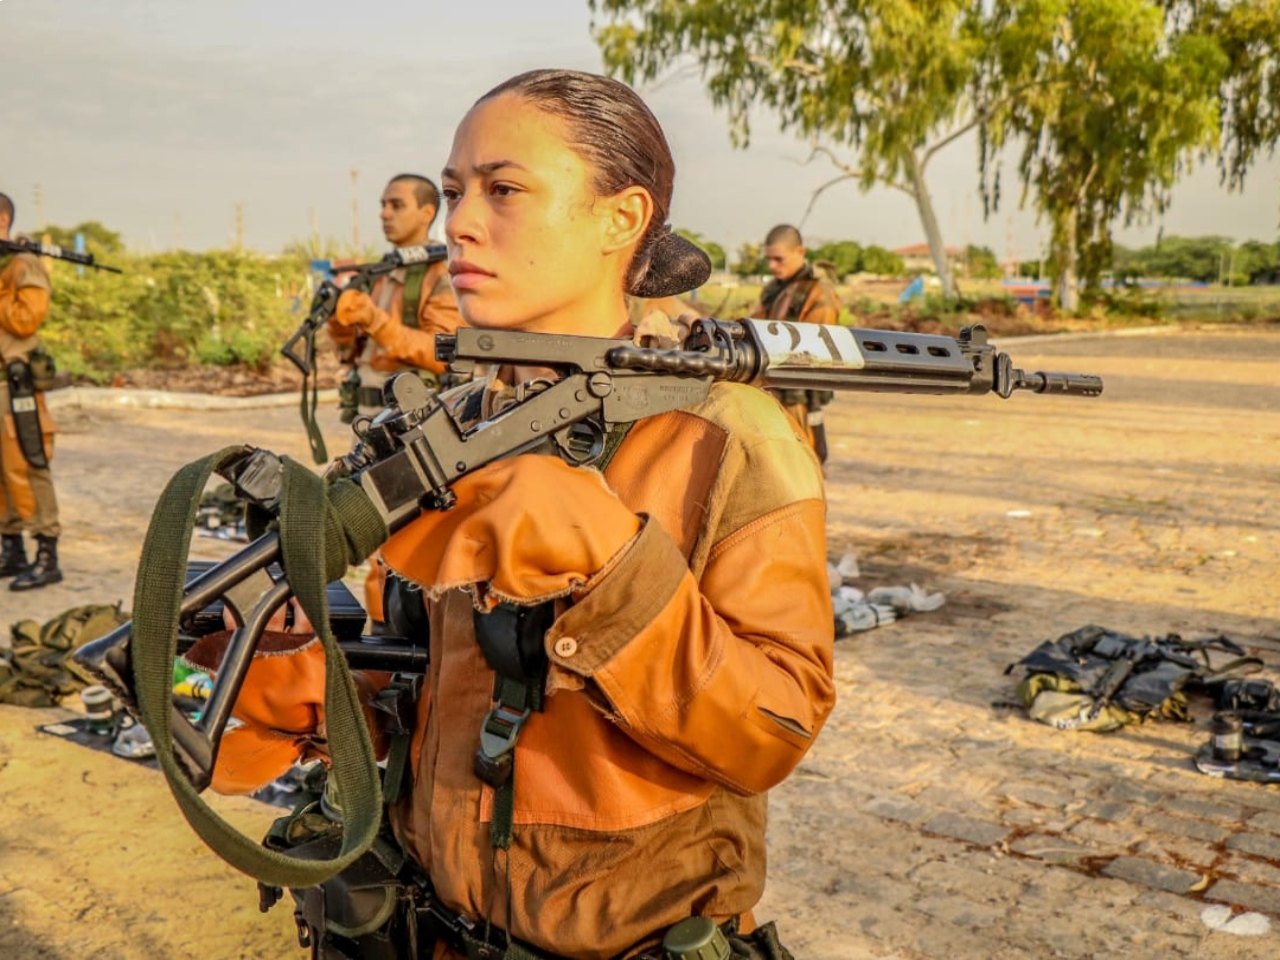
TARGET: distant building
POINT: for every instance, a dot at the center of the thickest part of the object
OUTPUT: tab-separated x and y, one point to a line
917	259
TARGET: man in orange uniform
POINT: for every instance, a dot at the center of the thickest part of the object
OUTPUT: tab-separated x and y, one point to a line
379	335
800	294
26	485
375	330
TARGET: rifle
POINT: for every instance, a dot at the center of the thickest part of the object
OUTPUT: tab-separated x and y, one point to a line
323	304
57	253
406	459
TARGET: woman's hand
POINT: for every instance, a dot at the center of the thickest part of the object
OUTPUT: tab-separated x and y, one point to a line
525	529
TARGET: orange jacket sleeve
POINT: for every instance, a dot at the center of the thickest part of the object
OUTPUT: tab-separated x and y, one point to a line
437	313
728	676
823	305
24	299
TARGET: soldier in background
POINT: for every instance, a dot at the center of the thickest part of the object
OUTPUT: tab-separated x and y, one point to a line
393	328
800	294
27	500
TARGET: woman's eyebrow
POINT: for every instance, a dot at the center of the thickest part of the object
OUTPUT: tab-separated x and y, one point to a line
485	168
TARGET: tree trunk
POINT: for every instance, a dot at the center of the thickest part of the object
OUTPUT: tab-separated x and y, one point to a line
929	220
1067	283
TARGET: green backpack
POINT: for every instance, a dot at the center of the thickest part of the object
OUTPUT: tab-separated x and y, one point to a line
36	669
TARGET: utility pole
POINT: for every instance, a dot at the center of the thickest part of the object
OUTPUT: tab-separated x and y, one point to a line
41	223
240	225
355	212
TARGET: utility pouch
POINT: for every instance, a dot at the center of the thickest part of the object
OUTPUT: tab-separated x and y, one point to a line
26	413
43	369
349	396
363	913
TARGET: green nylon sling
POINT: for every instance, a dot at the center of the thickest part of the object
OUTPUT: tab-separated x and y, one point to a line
414	276
323	530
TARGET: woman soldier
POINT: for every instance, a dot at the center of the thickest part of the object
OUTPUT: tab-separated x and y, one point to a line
681	654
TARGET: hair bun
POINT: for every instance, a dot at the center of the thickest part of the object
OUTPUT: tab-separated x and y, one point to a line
671	265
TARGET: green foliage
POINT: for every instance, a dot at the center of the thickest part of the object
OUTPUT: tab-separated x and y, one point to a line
98	240
171	309
750	262
982	263
710	247
1204	259
844	255
885	263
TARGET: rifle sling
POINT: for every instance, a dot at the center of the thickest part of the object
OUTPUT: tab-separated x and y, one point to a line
323	529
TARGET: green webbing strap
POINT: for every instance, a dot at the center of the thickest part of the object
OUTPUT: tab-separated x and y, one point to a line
315	439
322	531
414	275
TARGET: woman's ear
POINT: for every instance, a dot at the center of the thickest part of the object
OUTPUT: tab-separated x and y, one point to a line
629	212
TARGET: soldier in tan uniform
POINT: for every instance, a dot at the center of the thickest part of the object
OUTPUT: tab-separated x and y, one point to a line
800	294
381	337
375	330
27	500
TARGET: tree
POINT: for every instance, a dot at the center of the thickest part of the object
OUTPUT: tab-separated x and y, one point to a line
845	255
892	81
982	262
750	262
882	262
1121	96
709	247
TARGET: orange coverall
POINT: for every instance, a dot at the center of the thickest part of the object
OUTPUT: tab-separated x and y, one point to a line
688	677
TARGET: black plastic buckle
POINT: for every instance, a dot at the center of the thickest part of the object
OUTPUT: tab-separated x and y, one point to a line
498	738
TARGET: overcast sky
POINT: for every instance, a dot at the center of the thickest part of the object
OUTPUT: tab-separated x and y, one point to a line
157	118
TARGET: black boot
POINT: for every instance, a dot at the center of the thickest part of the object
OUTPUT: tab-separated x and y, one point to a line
44	570
13	555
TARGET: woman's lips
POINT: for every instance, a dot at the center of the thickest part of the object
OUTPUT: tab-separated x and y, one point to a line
467	276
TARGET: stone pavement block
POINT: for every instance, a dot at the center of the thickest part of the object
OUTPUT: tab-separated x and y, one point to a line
1182	827
1107	836
961	911
1248	895
1193	806
969	877
1172	904
1127	791
1113	810
1181	850
1268	821
1045	821
893	807
1034	793
959	827
1259	844
1151	874
1249	870
1051	849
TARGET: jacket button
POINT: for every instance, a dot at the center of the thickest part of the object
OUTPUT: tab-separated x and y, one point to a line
566	647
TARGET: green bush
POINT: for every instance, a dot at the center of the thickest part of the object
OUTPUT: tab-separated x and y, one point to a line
173	309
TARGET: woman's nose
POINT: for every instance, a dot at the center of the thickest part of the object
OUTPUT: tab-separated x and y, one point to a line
464	221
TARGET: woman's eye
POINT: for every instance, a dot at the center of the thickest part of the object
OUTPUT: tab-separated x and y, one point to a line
504	190
450	194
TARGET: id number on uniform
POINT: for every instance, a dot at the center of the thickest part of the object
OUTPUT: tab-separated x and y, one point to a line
807	344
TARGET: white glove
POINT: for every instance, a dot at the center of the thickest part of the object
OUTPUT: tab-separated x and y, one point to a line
907	600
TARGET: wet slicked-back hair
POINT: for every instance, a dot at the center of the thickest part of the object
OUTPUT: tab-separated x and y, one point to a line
622	143
424	189
786	234
6	206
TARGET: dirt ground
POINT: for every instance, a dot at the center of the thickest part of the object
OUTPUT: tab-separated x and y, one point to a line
926	822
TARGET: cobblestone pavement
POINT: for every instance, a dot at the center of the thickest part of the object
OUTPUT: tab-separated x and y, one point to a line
926	822
950	827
